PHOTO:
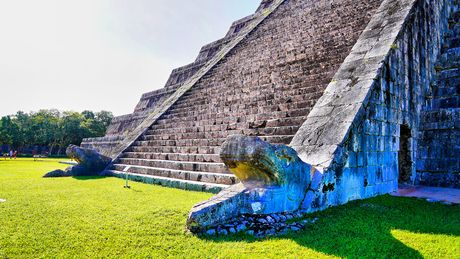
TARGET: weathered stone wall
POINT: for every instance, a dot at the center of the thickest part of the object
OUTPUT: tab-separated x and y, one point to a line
354	131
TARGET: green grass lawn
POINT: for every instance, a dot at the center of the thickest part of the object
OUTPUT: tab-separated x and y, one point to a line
97	217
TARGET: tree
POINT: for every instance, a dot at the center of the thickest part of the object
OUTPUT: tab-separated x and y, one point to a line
51	128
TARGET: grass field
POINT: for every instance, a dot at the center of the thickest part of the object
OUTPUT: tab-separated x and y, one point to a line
97	217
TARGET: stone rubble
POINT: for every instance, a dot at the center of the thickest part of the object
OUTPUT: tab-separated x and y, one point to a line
261	226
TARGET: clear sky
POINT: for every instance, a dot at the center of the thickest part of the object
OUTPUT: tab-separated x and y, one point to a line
101	54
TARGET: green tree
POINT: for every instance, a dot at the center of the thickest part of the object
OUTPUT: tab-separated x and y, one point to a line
52	128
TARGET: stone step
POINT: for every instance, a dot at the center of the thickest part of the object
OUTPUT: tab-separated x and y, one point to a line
441	119
448	148
215	158
241	104
449	74
214	129
291	121
234	124
223	130
451	58
225	117
455	17
454	31
277	118
180	142
278	131
151	135
169	182
174	149
177	165
451	50
310	83
443	92
201	133
244	115
451	42
448	82
207	177
242	108
281	139
442	102
295	93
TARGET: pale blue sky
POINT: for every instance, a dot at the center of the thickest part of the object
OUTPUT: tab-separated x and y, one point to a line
101	54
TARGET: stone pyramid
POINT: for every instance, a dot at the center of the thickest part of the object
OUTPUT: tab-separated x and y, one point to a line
309	74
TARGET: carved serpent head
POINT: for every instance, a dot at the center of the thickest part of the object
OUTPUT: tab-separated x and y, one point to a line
258	163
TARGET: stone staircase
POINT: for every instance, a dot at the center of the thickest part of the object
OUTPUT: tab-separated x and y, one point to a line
255	86
439	144
181	146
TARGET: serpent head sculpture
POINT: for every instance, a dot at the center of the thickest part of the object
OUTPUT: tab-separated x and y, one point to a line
90	163
273	179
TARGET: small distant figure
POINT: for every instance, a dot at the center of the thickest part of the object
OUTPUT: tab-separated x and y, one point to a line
15	154
34	154
5	155
11	154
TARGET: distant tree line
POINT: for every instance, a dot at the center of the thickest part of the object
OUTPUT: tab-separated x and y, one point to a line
51	130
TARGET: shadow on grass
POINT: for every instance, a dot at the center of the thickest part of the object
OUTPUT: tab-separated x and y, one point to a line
363	228
88	178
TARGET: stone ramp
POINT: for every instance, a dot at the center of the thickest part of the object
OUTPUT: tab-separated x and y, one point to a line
262	88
